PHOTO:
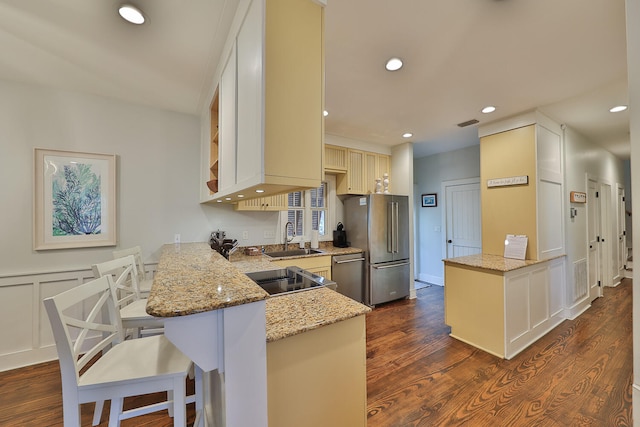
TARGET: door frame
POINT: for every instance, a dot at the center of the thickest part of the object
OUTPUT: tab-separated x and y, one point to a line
443	216
598	248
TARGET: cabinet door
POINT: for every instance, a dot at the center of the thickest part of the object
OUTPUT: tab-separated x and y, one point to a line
227	125
335	159
383	166
371	172
355	174
273	203
276	203
250	93
250	205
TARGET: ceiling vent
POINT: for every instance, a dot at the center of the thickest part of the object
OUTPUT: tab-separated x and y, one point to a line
468	123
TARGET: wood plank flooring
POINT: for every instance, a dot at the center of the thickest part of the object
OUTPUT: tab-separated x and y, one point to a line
577	375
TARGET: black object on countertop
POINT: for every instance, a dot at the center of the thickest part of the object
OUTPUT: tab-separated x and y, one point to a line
340	237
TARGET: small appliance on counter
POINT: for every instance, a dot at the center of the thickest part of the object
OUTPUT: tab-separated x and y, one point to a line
224	247
340	237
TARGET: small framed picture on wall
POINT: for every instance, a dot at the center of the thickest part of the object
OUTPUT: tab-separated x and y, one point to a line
429	200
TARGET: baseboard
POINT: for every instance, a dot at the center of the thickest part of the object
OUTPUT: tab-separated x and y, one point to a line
434	280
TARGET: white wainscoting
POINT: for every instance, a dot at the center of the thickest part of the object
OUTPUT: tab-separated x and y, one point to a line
25	336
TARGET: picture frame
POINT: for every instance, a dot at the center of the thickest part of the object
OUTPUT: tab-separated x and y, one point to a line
74	202
430	200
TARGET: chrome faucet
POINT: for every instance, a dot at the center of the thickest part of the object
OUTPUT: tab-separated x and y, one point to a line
286	237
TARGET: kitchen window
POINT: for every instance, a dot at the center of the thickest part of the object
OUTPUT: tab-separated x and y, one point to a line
309	210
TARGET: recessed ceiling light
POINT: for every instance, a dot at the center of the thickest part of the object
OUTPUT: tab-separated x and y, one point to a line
259	191
240	196
325	113
488	109
407	135
131	14
618	108
227	198
394	64
219	201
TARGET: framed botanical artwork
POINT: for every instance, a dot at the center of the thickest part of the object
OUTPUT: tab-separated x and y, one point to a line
74	200
429	200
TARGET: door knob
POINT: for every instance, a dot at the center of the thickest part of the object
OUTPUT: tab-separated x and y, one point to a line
449	241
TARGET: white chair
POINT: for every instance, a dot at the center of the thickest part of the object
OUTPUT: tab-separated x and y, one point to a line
132	307
144	283
129	368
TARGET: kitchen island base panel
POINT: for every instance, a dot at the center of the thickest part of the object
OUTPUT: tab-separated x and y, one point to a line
230	346
503	311
318	378
474	307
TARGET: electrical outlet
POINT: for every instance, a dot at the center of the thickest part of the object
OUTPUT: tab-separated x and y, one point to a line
268	234
176	238
245	235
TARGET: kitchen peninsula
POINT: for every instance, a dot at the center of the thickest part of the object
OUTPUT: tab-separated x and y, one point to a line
502	305
304	350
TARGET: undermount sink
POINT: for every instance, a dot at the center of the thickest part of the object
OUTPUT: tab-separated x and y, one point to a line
293	252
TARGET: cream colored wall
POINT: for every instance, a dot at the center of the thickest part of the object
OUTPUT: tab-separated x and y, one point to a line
512	209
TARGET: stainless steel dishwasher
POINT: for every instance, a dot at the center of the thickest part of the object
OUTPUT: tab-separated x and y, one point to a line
348	272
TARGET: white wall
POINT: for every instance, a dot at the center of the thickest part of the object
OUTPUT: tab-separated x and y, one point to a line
402	176
584	157
158	157
429	173
158	168
633	73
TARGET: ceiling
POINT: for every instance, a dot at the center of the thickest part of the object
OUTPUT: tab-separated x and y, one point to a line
565	59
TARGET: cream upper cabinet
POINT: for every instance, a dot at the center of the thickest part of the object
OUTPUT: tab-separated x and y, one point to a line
335	159
271	122
273	203
363	168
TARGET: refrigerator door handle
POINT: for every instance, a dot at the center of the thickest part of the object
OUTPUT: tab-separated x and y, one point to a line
390	227
395	229
382	267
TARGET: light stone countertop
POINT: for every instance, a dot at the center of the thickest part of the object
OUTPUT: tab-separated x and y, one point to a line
494	262
192	278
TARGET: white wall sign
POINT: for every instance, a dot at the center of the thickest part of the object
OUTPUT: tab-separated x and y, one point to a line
515	246
503	182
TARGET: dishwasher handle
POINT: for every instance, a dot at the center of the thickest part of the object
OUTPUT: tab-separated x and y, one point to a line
349	260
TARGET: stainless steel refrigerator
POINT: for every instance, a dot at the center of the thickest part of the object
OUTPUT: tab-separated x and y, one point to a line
379	224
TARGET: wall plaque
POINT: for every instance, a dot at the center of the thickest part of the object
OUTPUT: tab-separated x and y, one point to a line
578	197
513	180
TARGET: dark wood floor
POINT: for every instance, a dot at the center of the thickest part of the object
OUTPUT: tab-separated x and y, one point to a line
579	374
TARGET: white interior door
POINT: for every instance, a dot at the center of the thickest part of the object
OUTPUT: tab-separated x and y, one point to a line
621	255
606	235
463	226
593	227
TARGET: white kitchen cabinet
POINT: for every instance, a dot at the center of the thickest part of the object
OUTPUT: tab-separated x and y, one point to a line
227	125
271	102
